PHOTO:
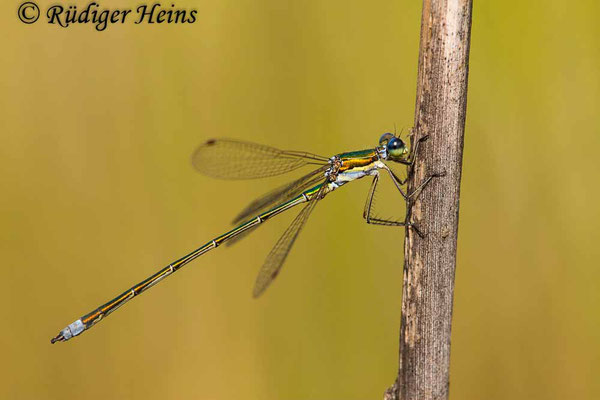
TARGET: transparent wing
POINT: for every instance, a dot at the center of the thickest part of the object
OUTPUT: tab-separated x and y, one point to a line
280	251
274	197
232	159
282	194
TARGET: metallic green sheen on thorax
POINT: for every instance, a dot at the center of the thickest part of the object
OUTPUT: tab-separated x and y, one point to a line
368	153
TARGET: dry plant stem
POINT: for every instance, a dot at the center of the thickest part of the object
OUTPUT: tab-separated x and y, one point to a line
429	266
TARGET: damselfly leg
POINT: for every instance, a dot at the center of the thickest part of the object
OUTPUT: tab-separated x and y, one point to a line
398	183
410	160
391	222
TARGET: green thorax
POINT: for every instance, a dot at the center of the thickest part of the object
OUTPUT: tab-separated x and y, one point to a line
368	153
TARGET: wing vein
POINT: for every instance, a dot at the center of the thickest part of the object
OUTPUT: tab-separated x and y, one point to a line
232	159
280	251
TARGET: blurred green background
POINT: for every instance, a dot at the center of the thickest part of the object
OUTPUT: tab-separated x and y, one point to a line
98	192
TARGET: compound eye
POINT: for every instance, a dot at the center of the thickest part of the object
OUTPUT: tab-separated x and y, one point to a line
385	138
396	148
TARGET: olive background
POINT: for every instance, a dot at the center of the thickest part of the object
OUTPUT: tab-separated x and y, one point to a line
98	192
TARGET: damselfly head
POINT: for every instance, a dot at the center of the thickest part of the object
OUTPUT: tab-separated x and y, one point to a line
395	148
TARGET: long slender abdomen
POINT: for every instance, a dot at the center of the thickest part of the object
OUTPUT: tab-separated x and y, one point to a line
87	321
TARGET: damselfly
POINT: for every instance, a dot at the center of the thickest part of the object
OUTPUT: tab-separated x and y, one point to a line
230	159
